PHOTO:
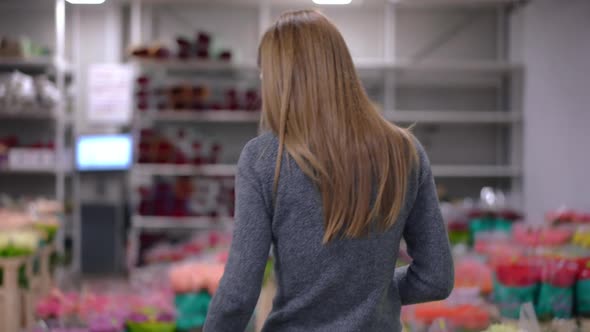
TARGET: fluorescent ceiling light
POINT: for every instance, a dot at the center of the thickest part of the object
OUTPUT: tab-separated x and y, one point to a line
332	2
86	2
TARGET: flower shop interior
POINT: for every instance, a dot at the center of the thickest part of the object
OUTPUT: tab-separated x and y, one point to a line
122	121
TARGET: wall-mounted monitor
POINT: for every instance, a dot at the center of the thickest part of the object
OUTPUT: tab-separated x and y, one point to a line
104	152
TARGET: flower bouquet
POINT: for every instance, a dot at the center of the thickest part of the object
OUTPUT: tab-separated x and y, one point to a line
194	285
556	296
583	289
15	243
516	283
151	319
530	235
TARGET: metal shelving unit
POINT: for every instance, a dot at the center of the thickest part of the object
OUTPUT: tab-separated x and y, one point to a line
390	73
59	122
58	69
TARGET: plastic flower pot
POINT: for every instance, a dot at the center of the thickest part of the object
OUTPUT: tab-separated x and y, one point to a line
470	317
479	225
510	298
191	309
458	233
515	284
502	225
582	290
151	327
48	230
556	296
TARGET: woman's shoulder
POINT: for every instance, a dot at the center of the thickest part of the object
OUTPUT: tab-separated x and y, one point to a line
263	141
260	150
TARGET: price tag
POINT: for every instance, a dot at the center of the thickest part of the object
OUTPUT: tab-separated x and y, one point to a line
110	94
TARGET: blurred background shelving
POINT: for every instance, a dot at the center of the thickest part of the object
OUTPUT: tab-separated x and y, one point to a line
137	158
442	67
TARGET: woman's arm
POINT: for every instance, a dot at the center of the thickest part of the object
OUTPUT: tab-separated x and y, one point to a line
238	292
430	276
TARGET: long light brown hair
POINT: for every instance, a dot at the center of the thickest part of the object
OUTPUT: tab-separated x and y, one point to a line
313	100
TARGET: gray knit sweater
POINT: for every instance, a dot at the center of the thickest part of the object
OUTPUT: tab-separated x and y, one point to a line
346	285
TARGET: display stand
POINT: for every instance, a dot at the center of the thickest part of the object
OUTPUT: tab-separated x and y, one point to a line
10	299
17	305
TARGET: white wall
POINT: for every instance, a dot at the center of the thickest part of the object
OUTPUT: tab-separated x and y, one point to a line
556	52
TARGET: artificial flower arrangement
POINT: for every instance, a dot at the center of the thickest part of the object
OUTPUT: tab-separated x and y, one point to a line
540	235
463	311
15	243
194	285
195	247
94	312
46	216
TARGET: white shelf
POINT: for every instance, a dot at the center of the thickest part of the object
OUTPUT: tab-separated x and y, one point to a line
452	3
442	116
453	66
410	65
26	115
145	222
12	171
475	171
27	63
403	65
464	117
230	170
204	116
184	170
192	64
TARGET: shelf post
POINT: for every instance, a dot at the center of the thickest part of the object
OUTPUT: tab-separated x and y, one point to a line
389	56
264	17
60	36
136	24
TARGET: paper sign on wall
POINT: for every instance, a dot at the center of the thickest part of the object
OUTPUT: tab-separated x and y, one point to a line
110	93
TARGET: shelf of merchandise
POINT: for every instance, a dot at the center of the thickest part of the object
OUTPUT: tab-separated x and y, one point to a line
217	170
60	71
193	223
387	72
141	224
